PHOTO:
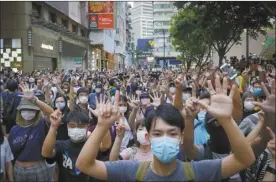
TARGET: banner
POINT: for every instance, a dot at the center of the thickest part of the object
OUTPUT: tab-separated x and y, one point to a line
101	15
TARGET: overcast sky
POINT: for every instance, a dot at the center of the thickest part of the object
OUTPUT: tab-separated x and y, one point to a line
131	3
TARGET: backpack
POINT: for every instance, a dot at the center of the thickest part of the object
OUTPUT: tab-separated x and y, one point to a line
9	111
143	168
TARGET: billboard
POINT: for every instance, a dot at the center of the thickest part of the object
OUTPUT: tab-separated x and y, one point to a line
145	45
101	14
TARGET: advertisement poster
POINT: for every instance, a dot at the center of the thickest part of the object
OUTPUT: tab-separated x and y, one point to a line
101	15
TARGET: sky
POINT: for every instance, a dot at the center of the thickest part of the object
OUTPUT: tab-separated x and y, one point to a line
131	3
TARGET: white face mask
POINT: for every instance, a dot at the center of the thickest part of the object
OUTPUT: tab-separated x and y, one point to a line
248	105
76	89
138	92
186	96
98	90
172	90
145	101
122	109
83	99
141	137
77	134
28	115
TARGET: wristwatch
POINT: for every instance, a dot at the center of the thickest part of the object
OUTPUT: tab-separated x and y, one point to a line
271	170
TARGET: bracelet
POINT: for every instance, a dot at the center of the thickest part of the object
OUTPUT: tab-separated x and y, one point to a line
271	170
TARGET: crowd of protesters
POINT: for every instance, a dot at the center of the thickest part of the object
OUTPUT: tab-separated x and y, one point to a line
139	125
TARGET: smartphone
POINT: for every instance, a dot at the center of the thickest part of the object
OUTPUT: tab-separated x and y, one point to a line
227	68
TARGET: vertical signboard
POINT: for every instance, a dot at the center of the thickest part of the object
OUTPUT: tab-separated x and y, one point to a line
101	14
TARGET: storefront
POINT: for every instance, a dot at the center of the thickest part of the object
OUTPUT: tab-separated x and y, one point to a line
73	56
101	59
45	52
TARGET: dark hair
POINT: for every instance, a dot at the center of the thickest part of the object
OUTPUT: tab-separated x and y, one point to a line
124	99
64	111
12	85
82	90
78	117
168	113
205	95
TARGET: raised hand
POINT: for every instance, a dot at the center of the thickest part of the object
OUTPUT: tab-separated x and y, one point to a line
191	108
108	114
268	106
134	102
221	105
95	112
55	118
27	92
120	130
179	81
156	97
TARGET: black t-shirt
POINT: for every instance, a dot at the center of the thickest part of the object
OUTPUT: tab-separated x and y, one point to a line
66	156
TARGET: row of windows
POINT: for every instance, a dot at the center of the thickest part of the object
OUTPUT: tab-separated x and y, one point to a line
37	12
162	23
164	14
163	6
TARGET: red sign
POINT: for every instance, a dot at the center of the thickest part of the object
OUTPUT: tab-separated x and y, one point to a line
101	14
100	7
101	21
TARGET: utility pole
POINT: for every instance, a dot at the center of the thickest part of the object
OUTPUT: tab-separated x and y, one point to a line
247	44
164	46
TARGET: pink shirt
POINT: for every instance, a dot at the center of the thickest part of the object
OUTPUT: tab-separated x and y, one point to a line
134	153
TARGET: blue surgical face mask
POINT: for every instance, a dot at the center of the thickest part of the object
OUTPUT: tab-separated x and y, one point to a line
165	148
201	115
186	96
257	91
61	105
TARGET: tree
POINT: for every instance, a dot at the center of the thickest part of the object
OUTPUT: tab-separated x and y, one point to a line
223	22
192	45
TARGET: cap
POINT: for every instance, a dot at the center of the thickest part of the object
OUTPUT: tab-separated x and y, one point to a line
144	95
25	104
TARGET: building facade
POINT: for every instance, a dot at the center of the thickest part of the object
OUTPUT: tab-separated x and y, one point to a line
41	35
164	53
129	38
142	20
120	36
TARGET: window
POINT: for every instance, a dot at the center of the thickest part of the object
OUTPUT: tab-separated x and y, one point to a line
74	28
53	17
82	31
64	23
36	10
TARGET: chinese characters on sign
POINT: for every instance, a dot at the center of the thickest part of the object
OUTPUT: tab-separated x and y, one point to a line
101	15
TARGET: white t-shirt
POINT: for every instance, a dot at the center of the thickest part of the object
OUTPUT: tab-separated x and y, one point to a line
6	154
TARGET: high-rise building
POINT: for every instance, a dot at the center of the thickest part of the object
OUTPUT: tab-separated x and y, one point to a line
142	20
129	38
163	52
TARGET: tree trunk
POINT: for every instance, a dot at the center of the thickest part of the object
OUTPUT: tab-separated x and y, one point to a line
221	54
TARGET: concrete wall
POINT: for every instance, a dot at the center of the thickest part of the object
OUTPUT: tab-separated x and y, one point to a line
255	46
15	19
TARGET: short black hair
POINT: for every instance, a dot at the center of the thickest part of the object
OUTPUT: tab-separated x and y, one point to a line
168	113
12	85
78	117
82	90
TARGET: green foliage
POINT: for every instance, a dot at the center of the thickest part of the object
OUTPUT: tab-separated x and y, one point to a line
220	24
189	40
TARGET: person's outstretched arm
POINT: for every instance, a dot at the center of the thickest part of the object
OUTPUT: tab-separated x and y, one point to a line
86	161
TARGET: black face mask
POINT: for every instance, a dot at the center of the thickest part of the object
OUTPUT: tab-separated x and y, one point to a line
218	142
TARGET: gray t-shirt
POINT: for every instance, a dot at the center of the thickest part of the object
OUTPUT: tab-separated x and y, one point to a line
200	157
125	170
